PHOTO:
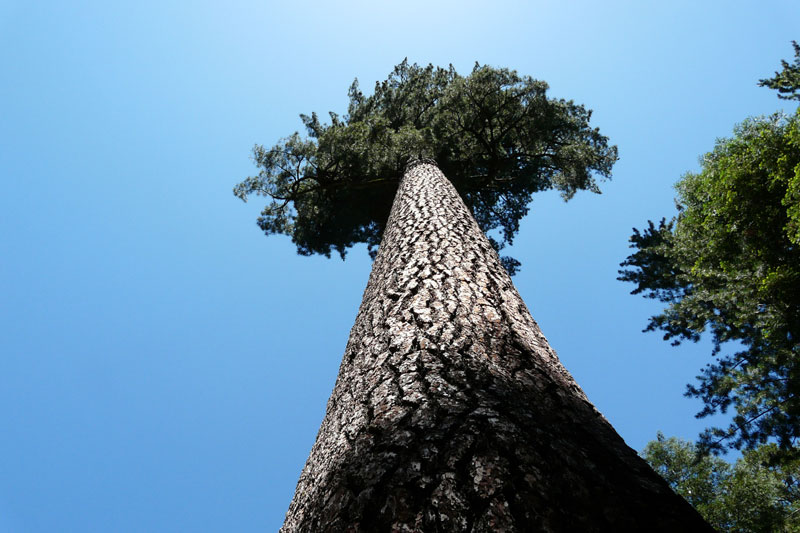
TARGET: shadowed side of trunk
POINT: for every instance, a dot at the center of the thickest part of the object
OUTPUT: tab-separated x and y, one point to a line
452	413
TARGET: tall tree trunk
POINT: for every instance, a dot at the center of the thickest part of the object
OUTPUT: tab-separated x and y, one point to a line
452	413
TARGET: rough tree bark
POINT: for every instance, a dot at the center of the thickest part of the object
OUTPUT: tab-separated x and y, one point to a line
452	413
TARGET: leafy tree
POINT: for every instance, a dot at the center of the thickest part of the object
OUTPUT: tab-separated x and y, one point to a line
752	495
729	264
494	133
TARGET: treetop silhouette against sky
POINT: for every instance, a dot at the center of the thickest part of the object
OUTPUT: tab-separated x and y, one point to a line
494	133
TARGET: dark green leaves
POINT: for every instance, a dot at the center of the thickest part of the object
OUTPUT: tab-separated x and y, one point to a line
729	265
494	134
787	81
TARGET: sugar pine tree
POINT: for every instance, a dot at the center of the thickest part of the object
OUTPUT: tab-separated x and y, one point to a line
451	412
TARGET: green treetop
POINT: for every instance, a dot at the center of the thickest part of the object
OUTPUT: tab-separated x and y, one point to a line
495	135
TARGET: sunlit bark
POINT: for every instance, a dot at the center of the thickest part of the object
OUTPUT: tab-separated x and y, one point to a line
452	413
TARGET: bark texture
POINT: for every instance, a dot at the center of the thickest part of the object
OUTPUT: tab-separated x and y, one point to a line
452	413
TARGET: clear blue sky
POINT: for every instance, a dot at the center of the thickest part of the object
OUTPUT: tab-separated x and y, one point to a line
163	365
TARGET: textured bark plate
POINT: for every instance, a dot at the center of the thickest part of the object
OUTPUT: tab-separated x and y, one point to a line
452	413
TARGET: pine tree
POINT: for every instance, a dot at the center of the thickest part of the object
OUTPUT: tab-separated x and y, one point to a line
451	412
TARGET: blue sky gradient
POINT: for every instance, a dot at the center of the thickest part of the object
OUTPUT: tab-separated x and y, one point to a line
163	365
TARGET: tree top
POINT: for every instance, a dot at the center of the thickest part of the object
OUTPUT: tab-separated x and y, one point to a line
495	135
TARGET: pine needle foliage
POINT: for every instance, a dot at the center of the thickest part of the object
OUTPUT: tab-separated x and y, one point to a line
495	134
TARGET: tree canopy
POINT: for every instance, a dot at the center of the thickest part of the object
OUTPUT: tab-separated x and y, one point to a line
495	134
729	264
752	494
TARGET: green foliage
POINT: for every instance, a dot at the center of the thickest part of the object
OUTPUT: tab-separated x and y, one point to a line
752	495
729	264
494	134
787	81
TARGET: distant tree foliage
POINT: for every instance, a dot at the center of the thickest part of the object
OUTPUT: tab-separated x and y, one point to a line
729	264
495	134
752	495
